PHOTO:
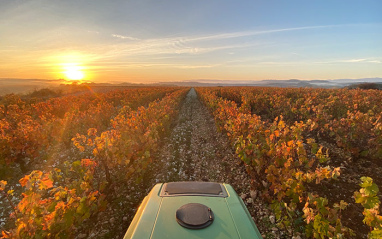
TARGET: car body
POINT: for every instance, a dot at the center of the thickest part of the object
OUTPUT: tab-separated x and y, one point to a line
192	210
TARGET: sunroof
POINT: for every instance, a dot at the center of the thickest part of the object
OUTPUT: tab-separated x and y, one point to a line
208	189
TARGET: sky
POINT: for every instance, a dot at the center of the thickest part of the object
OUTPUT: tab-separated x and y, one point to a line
146	41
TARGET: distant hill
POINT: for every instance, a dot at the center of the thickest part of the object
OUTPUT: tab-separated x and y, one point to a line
338	83
23	86
17	86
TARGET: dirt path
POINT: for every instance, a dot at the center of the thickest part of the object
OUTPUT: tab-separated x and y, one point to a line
195	151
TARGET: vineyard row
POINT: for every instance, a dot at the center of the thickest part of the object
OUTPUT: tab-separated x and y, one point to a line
63	198
277	133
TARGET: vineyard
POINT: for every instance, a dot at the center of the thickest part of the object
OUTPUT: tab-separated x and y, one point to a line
71	155
296	143
69	163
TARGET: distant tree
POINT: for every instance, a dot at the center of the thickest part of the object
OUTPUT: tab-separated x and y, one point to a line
44	93
366	86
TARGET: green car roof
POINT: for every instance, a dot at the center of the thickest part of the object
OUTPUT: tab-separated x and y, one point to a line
156	218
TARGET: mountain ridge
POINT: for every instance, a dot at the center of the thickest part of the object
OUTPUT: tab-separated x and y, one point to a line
15	85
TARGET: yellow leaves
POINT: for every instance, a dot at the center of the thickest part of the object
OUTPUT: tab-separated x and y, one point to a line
288	163
48	220
60	194
46	182
290	143
272	136
2	185
4	234
20	226
336	172
341	206
309	177
281	124
308	213
60	206
92	132
299	175
90	142
79	141
23	181
93	196
321	173
23	204
88	163
37	178
84	186
300	143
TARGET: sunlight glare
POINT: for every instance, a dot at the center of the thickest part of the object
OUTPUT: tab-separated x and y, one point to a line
74	72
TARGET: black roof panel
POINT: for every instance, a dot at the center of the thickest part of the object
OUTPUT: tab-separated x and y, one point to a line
209	189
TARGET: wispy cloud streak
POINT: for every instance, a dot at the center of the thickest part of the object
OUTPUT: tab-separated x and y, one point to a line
196	44
357	60
257	32
124	37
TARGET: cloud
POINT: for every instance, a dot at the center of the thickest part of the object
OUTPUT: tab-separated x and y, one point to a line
354	60
174	46
255	32
185	52
110	66
196	66
124	37
195	44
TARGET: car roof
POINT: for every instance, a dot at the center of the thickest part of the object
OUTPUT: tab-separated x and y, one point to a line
156	217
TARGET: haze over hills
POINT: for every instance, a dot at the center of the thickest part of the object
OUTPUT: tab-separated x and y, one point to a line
9	85
12	85
338	83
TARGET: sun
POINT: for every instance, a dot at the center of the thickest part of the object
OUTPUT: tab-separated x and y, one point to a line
74	72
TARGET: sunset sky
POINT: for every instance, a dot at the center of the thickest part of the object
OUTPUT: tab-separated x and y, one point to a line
171	40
